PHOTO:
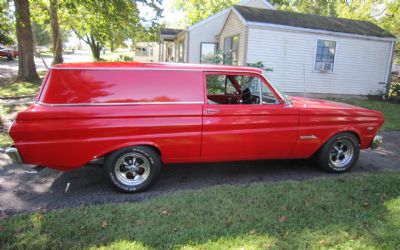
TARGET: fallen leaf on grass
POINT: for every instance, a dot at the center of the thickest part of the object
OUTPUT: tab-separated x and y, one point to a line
283	219
322	242
3	215
166	212
229	221
104	224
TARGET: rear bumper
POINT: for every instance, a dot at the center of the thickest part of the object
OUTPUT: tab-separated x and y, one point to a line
14	155
376	142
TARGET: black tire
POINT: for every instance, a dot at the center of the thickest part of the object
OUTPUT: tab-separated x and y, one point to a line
146	173
329	158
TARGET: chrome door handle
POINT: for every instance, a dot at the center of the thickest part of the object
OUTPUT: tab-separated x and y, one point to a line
212	111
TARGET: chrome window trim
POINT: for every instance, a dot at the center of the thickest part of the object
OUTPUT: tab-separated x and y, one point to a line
116	103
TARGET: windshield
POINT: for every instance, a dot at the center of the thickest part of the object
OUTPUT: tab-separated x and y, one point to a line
281	94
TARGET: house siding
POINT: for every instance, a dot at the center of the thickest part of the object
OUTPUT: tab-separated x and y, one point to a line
200	34
360	64
208	31
233	26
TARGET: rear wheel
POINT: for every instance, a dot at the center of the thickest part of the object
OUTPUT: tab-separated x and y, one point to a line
133	169
339	154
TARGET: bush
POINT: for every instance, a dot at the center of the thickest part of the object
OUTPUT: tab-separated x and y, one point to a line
125	58
394	91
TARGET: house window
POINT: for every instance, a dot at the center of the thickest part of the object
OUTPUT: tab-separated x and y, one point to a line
141	51
231	50
181	52
208	52
325	56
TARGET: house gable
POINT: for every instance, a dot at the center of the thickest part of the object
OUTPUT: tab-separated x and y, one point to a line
234	26
264	4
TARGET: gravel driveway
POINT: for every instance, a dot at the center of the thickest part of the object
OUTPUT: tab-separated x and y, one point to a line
22	192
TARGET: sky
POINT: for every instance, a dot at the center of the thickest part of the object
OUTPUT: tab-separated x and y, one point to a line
171	17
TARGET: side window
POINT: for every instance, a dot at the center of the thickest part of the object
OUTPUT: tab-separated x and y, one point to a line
238	89
267	95
219	85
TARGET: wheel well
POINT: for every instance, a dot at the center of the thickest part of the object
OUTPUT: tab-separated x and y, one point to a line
341	132
150	146
104	156
353	133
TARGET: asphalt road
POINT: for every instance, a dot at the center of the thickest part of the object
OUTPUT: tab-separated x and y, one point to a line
9	69
22	192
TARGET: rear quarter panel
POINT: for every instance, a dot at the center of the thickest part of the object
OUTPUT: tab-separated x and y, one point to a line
68	137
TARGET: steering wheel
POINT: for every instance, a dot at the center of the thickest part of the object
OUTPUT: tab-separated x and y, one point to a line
246	96
237	97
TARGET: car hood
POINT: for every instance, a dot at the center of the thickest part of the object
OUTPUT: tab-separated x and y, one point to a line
305	102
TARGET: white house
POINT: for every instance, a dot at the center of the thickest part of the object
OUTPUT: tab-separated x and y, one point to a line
307	53
147	52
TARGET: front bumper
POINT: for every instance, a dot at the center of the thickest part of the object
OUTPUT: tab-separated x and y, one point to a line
376	142
14	155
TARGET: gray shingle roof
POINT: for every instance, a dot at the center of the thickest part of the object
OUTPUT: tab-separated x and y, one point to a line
170	32
294	19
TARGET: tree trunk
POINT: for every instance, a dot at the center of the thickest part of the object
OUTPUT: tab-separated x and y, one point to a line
26	63
95	47
55	32
95	51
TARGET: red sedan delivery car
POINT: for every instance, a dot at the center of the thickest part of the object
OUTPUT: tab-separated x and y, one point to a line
133	117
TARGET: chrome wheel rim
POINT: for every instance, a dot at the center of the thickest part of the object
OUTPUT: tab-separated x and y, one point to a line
341	153
132	169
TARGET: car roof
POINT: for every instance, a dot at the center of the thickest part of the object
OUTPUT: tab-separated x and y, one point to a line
153	66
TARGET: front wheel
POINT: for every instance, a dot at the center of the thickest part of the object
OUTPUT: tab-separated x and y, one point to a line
133	169
339	154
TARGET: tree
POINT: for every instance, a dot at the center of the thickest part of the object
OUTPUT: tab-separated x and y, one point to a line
197	10
6	24
41	35
107	22
318	7
391	22
55	33
26	63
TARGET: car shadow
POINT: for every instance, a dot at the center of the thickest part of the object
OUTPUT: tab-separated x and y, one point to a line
50	189
90	186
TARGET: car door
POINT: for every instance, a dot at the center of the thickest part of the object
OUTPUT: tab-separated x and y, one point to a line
263	128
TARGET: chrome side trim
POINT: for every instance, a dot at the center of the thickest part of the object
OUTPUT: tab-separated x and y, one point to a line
14	155
250	70
308	137
116	103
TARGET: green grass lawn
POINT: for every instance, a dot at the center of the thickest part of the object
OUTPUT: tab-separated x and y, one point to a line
5	140
347	212
391	111
21	88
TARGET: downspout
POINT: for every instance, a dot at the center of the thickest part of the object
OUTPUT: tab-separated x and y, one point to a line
389	69
187	45
246	45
